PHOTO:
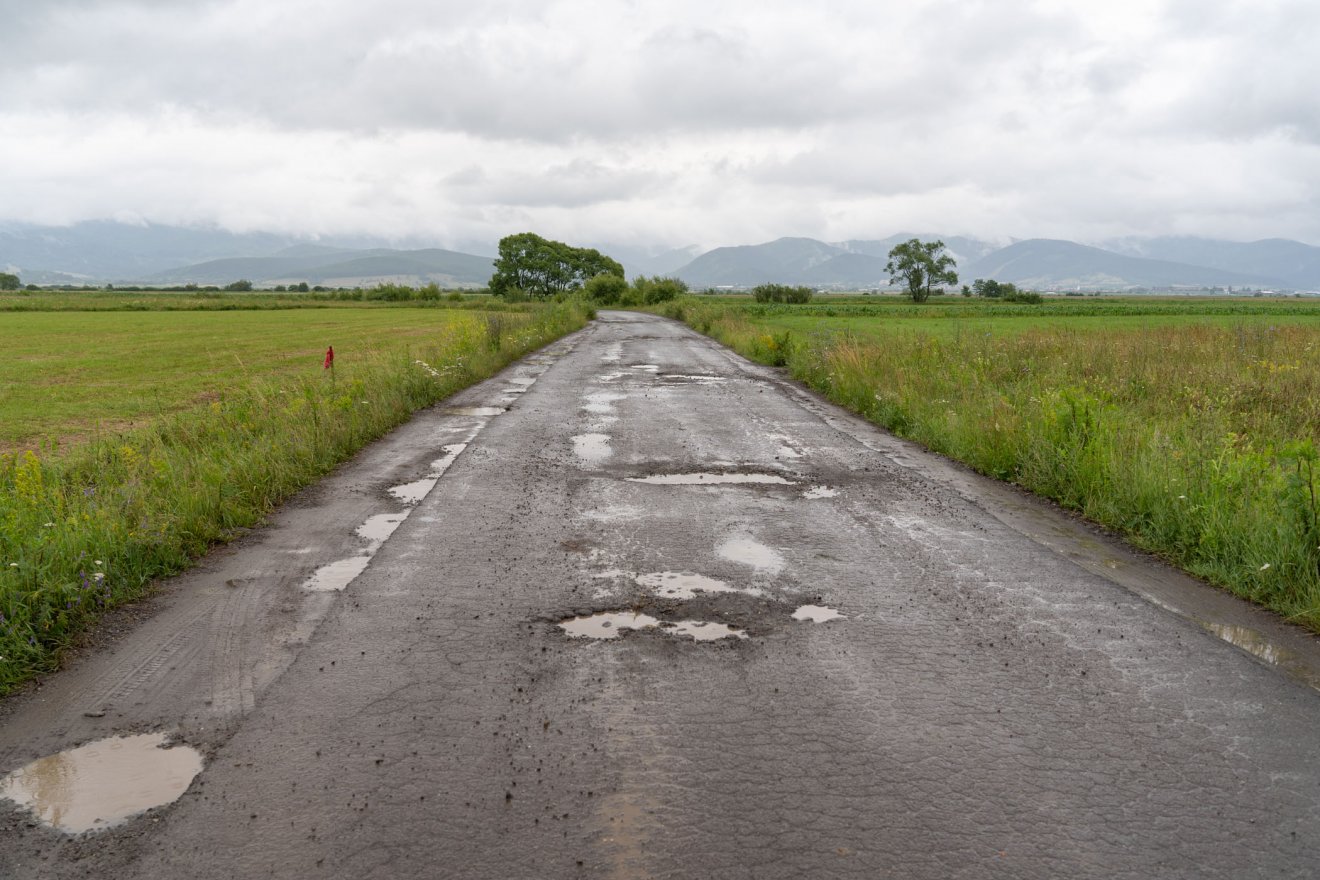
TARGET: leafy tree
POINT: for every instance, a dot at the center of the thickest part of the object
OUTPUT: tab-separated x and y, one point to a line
920	265
543	268
9	281
241	285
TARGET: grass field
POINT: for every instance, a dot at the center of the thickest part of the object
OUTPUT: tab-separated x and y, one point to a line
1190	426
131	441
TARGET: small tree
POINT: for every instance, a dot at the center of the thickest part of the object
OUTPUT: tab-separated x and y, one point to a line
240	285
919	266
9	281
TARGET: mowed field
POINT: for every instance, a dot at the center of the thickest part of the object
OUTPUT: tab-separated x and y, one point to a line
136	434
1190	426
68	376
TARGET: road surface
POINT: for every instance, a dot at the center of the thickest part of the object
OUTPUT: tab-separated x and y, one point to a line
830	655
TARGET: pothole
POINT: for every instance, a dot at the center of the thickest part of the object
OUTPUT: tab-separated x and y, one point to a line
646	368
103	783
690	379
686	585
751	552
337	575
377	529
475	410
592	448
602	402
613	624
820	492
711	479
413	493
817	614
606	624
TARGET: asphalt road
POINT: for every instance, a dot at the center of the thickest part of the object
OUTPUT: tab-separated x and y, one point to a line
1005	694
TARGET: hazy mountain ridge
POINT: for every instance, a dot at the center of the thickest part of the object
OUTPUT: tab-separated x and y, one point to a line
106	251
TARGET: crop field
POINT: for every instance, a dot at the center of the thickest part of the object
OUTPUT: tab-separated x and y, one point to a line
1189	426
131	440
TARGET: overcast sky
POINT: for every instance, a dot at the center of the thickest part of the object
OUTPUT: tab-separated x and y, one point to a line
674	122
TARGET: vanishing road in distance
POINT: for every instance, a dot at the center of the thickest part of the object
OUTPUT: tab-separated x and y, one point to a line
637	608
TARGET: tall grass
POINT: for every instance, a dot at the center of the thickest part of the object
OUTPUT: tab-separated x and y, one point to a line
1197	441
90	528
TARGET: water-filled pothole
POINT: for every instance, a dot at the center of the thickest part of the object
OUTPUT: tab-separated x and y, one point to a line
592	448
712	479
690	379
103	783
686	585
817	614
475	410
751	552
377	529
820	492
337	575
606	624
613	624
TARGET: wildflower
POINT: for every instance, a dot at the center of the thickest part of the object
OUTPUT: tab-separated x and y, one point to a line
49	525
1182	497
97	561
1265	566
13	565
99	576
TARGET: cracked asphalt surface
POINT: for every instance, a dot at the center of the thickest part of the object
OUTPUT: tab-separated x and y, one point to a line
1007	693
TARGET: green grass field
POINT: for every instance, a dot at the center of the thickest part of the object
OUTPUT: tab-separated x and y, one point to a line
67	376
1190	426
132	440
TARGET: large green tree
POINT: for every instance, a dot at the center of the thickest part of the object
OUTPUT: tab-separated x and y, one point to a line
9	281
542	268
920	266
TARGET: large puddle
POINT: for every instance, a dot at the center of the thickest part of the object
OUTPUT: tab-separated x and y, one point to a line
820	492
712	479
686	585
414	492
103	783
748	551
613	624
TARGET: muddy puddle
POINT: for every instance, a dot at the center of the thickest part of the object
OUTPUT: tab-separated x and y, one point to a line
712	479
1259	645
817	614
749	551
103	783
613	624
686	585
592	448
820	492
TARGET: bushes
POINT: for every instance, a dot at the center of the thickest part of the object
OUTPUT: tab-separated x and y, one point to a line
781	293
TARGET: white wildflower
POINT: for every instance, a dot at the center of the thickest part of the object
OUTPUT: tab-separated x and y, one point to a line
1265	566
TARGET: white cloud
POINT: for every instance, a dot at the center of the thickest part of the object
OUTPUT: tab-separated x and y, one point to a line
672	122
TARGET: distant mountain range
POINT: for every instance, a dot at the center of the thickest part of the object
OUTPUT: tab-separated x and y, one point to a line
1036	263
104	251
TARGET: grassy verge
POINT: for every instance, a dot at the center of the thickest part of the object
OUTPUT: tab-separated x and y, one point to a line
87	527
1197	439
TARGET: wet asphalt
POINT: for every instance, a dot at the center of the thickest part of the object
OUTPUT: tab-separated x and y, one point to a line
998	697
